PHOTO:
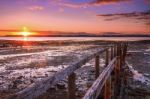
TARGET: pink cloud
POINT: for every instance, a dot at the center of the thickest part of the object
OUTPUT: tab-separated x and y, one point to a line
88	4
69	5
36	8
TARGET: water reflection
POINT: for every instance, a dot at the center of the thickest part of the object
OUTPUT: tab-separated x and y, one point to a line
25	38
28	38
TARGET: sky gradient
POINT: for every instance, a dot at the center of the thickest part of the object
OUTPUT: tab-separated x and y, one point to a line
92	16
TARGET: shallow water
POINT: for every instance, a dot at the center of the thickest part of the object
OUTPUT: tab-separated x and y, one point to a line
75	38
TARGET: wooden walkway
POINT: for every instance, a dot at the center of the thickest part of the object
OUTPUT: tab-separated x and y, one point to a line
106	86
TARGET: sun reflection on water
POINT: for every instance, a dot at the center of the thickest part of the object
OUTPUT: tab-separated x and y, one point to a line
25	38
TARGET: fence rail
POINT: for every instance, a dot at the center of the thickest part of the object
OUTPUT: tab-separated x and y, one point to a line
96	88
115	56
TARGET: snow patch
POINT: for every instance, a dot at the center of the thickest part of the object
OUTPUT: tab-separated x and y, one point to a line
147	50
138	76
27	76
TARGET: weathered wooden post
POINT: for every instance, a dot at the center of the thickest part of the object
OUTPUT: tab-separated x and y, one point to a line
117	71
96	66
71	86
115	50
112	74
124	53
112	52
107	86
125	72
126	45
107	57
121	54
107	90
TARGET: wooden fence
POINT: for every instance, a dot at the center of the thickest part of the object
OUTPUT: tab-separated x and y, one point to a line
106	84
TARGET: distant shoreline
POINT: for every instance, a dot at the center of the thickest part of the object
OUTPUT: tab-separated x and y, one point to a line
15	43
78	36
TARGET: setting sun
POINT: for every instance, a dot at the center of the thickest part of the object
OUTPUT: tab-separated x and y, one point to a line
25	32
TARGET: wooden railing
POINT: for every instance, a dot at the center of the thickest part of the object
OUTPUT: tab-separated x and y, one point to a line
115	56
107	85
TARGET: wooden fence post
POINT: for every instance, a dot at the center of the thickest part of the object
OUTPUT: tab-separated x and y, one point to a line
71	86
107	57
116	49
96	66
124	53
113	75
112	52
107	89
117	71
107	86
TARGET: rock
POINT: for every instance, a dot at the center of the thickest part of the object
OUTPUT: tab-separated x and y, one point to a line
92	71
15	83
61	85
20	77
52	88
32	81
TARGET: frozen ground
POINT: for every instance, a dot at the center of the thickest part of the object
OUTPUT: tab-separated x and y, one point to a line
138	62
139	59
23	66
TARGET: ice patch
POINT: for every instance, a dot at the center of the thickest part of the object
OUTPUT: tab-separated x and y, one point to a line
136	51
2	69
20	67
147	50
102	62
138	76
48	53
146	53
27	76
92	63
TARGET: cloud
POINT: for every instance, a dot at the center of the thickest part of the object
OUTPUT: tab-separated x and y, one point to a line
71	5
35	8
137	16
107	1
87	3
91	3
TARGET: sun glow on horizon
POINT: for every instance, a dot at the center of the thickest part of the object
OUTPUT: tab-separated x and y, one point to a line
25	32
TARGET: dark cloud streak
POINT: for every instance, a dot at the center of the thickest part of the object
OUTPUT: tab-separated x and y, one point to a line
87	3
137	16
107	1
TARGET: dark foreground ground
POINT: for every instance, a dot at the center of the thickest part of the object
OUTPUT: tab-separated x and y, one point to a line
21	66
138	62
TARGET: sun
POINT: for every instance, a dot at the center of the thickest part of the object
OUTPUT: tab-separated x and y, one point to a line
25	32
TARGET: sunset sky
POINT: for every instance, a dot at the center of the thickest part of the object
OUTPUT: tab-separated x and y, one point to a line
92	16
